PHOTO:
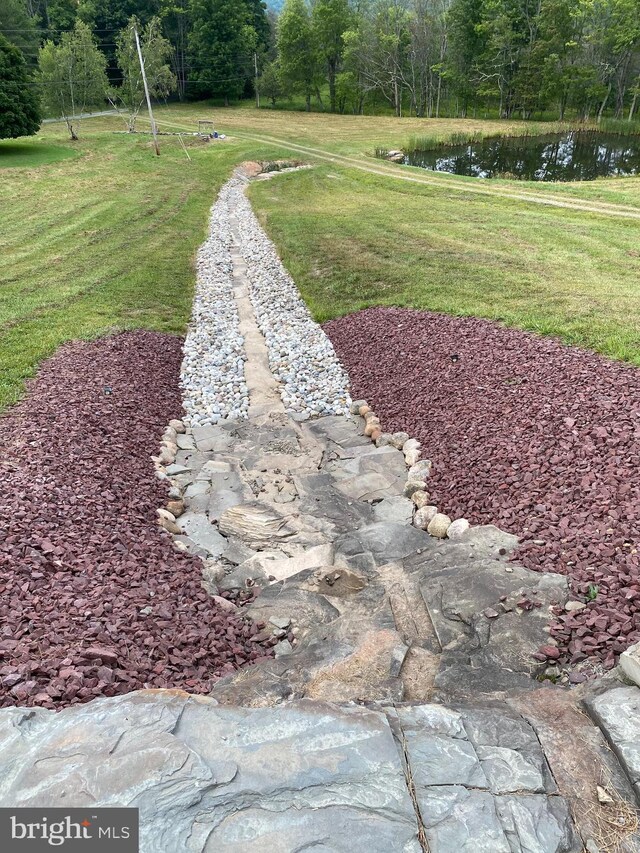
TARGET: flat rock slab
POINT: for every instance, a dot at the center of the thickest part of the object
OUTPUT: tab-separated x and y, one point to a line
486	542
308	775
489	617
463	820
212	778
319	498
380	543
200	530
617	712
482	782
344	432
396	509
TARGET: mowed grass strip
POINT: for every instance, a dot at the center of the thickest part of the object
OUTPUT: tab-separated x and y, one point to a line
102	240
353	240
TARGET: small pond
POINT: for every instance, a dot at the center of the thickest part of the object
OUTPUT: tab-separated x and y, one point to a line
574	156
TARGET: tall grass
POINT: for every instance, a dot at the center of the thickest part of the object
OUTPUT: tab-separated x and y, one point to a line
437	139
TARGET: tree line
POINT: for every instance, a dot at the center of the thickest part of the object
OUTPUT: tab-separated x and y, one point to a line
570	58
461	57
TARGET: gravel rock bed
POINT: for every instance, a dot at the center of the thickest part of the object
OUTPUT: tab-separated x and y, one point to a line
94	598
300	354
537	437
212	374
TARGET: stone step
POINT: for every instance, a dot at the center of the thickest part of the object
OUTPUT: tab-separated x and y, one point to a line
307	775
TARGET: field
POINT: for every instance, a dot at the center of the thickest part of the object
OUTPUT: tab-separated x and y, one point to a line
102	240
103	236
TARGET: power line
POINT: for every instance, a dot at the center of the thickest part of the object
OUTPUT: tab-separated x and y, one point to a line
55	29
122	79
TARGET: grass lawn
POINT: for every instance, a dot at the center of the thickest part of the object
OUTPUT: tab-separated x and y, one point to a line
24	154
103	239
353	240
103	236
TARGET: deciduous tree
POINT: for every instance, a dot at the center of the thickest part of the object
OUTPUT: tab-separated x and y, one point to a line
156	53
298	49
72	76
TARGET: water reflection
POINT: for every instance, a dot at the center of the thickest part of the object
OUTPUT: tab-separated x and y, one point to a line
575	156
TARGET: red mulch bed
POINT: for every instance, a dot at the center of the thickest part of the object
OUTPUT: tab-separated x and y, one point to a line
538	438
81	554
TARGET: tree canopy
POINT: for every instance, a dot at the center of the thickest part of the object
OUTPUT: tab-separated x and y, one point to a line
72	76
562	58
19	106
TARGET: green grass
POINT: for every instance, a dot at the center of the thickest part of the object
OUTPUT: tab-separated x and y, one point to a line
31	155
102	242
104	236
353	240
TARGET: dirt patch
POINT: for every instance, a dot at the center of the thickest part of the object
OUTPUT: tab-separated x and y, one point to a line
539	438
95	601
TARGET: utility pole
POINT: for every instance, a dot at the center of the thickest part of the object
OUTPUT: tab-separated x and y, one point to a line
255	65
146	92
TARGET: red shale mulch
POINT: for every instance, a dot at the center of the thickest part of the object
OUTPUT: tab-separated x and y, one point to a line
538	438
94	599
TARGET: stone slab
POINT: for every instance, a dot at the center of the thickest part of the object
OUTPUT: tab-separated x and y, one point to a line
319	556
368	487
491	748
486	637
486	542
212	778
382	460
509	751
383	542
397	510
459	820
344	432
319	499
617	712
200	530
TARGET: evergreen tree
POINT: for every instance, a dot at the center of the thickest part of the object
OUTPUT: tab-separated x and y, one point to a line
19	107
19	27
222	43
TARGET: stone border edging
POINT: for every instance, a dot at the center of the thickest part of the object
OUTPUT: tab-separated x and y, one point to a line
426	516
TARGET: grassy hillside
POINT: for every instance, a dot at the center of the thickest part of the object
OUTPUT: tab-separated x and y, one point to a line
101	235
100	239
353	240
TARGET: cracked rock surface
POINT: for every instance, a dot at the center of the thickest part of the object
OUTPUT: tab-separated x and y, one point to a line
308	775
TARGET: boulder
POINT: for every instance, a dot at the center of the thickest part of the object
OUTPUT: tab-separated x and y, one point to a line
629	661
439	525
457	528
424	516
420	471
420	499
412	486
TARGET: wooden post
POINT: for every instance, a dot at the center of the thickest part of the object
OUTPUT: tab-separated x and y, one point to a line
146	92
255	65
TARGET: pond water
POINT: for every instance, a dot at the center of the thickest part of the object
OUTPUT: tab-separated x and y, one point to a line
575	156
